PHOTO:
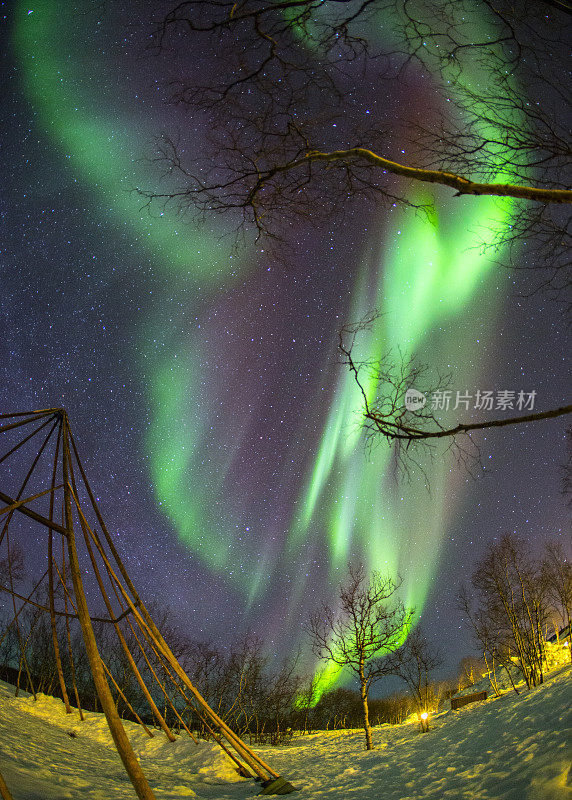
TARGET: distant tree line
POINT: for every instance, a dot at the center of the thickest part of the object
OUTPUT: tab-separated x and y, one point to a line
515	604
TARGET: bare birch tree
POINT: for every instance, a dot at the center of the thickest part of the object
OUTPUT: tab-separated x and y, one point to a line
367	624
512	609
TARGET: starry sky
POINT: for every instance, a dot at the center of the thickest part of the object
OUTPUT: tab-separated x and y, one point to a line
202	381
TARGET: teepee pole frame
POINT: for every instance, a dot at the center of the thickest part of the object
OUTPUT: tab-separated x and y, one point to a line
253	761
125	609
122	743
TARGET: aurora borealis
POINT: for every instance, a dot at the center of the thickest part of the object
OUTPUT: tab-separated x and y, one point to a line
203	382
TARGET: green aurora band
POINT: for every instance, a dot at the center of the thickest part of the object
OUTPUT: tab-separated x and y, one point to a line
64	94
426	275
430	271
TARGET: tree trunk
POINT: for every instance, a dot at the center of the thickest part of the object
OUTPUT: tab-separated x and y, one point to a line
366	725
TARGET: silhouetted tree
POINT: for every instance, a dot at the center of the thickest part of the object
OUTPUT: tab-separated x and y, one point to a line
296	131
512	608
413	663
367	623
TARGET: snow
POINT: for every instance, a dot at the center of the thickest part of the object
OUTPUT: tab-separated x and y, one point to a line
46	754
507	748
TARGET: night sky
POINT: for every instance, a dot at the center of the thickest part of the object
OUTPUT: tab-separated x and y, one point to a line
202	382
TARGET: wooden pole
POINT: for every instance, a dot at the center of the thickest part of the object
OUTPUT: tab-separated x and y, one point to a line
87	532
14	504
161	686
122	743
55	643
159	683
251	758
151	640
242	769
4	791
63	580
240	766
17	503
28	512
126	701
57	655
32	414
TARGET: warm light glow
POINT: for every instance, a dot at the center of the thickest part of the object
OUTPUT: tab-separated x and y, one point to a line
424	715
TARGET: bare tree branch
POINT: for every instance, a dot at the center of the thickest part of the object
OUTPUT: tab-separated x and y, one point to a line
285	98
389	416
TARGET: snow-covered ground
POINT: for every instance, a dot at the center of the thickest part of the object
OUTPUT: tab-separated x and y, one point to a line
516	748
